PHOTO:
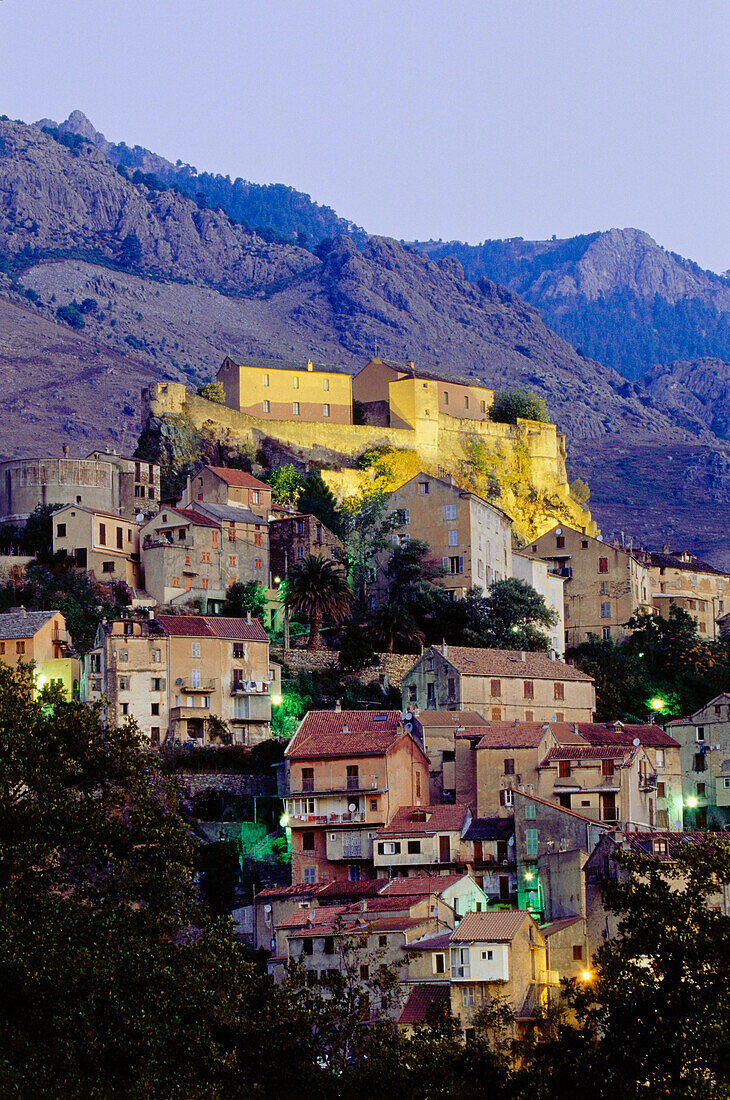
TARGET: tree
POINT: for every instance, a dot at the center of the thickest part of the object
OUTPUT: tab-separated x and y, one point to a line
509	617
511	404
392	627
317	588
287	485
242	599
72	315
213	391
368	536
37	533
318	500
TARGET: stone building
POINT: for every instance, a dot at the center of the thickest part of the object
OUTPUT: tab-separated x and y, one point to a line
704	739
233	488
468	537
397	394
549	583
604	585
297	536
420	840
504	685
103	544
40	637
612	783
176	674
103	481
270	389
679	579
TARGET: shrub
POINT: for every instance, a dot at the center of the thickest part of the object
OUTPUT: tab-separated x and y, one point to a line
511	404
71	314
213	391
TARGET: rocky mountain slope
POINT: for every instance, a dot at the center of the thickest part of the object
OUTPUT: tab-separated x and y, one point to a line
618	295
171	288
698	392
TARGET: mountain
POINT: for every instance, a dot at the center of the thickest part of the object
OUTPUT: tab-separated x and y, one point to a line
618	296
698	393
277	212
166	289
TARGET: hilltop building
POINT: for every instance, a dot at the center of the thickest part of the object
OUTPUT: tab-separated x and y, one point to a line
296	536
103	544
273	390
679	579
394	395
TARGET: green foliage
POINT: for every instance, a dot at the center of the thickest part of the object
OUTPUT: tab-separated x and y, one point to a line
37	532
580	491
72	315
89	306
317	499
509	617
244	598
355	652
368	534
231	758
130	251
317	588
511	404
287	485
213	391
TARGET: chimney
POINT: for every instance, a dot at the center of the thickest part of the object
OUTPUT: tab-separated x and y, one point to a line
523	656
444	650
411	364
310	364
65	450
248	616
338	705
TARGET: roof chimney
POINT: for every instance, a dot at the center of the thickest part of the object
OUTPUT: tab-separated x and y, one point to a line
310	364
411	363
338	704
248	616
65	450
444	650
523	655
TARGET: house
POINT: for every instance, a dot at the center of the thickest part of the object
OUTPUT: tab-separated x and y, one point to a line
461	892
190	554
499	954
185	677
296	536
348	772
604	585
105	545
490	844
275	904
704	739
439	728
270	389
470	538
426	1000
104	481
679	579
504	685
495	760
40	637
566	940
664	755
397	395
549	583
611	783
228	487
421	840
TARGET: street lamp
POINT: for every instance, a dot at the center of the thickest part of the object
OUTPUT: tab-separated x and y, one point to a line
691	802
276	700
657	703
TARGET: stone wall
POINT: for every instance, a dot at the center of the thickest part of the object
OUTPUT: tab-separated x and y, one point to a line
393	666
241	785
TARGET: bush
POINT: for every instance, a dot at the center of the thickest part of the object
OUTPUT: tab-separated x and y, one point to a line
511	404
213	391
71	314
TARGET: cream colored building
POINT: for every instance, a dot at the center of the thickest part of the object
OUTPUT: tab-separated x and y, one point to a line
500	684
680	579
549	584
611	783
468	537
103	544
396	395
704	739
234	488
174	674
40	637
604	585
273	390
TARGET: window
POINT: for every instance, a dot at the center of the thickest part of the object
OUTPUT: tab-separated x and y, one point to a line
157	684
195	649
204	584
446	397
154	708
700	790
453	538
307	842
412	693
662	819
699	761
309	876
450	511
452	686
726	782
124	683
495	688
307	779
406	516
258	563
606	633
418	784
430	693
255	496
373	804
660	758
456	565
483	406
205	556
423	488
467	996
123	654
560	542
353	777
661	790
605	610
61	530
564	769
107	567
439	962
607	767
700	733
577	952
102	534
264	380
325	409
584	544
466	402
605	588
238	651
120	538
267	406
558	691
195	678
528	689
295	408
231	533
506	797
300	553
414	848
125	709
529	716
603	565
509	765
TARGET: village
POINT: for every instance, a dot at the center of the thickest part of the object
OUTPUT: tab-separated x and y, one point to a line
459	823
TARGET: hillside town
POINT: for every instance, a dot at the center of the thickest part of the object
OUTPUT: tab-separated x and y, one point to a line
411	644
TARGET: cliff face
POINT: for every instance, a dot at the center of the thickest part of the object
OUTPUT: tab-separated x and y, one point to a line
698	391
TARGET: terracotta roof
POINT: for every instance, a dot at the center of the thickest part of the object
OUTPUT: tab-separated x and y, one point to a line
643	843
345	733
318	914
345	889
441	818
298	889
24	624
383	904
212	626
425	999
607	733
505	663
672	561
189	515
497	926
587	752
420	885
562	809
470	733
363	924
490	828
451	718
513	735
558	925
238	478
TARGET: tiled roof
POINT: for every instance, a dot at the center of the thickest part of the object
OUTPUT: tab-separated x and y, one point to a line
558	925
238	478
431	375
497	926
213	626
513	735
587	752
608	734
643	843
441	818
490	828
227	513
363	923
561	809
383	904
499	663
420	885
470	733
425	999
318	914
672	561
450	718
346	889
432	941
298	889
284	364
189	515
345	733
24	624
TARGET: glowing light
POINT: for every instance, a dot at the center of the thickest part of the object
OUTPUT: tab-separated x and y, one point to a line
586	975
515	630
529	876
40	681
691	802
276	700
277	580
284	820
656	704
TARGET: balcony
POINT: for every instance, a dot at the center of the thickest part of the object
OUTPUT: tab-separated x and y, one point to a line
248	687
329	819
184	686
647	783
369	784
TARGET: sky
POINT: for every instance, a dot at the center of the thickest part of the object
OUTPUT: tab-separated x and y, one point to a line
450	119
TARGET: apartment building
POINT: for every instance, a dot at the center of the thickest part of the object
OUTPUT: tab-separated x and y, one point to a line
503	685
604	585
422	840
297	536
348	772
190	554
185	678
704	740
104	544
549	583
104	481
679	579
233	488
469	537
611	783
40	637
270	389
439	729
396	395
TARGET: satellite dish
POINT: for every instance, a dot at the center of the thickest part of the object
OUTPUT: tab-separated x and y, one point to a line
599	538
636	742
140	517
558	530
352	807
179	680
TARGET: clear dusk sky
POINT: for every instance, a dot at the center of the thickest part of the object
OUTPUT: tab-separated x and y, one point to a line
449	119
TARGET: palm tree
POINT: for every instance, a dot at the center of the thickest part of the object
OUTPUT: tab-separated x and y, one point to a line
317	588
393	625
